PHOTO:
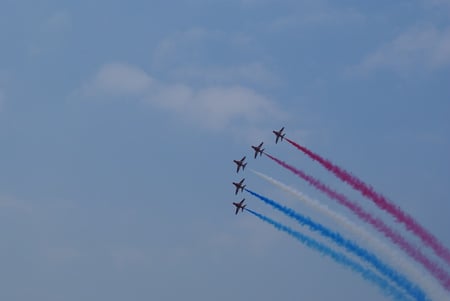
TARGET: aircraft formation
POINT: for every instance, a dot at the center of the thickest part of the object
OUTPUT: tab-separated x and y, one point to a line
374	260
259	150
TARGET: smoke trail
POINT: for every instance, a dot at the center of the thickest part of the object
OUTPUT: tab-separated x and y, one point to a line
411	224
378	224
395	259
338	257
350	246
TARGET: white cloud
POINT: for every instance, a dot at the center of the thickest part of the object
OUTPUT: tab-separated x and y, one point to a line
217	107
214	107
214	96
118	79
423	48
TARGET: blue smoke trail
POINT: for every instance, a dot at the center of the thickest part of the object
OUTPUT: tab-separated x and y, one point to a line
338	257
350	246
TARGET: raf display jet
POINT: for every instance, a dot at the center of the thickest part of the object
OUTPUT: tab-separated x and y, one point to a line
239	186
240	163
279	134
239	205
258	149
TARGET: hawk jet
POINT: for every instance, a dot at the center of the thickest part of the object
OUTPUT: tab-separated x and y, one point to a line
258	149
239	205
279	134
239	186
240	163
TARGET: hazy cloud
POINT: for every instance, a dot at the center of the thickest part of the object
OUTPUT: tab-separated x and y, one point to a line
11	203
252	73
214	107
117	79
50	32
317	17
62	254
128	256
200	57
438	3
244	234
183	44
57	22
2	99
193	47
427	48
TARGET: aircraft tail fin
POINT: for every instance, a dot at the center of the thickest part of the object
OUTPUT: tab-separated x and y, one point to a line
243	166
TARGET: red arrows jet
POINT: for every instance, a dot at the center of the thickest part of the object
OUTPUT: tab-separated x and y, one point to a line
239	186
279	134
258	149
239	205
240	163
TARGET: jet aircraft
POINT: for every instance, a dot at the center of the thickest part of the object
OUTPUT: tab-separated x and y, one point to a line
240	163
239	205
239	186
258	149
279	134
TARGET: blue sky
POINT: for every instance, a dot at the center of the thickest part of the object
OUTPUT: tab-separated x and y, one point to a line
119	122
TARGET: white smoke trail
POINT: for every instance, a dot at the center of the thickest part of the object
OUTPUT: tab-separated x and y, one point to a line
435	292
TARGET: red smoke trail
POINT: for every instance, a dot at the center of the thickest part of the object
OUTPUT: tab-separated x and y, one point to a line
382	203
378	224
